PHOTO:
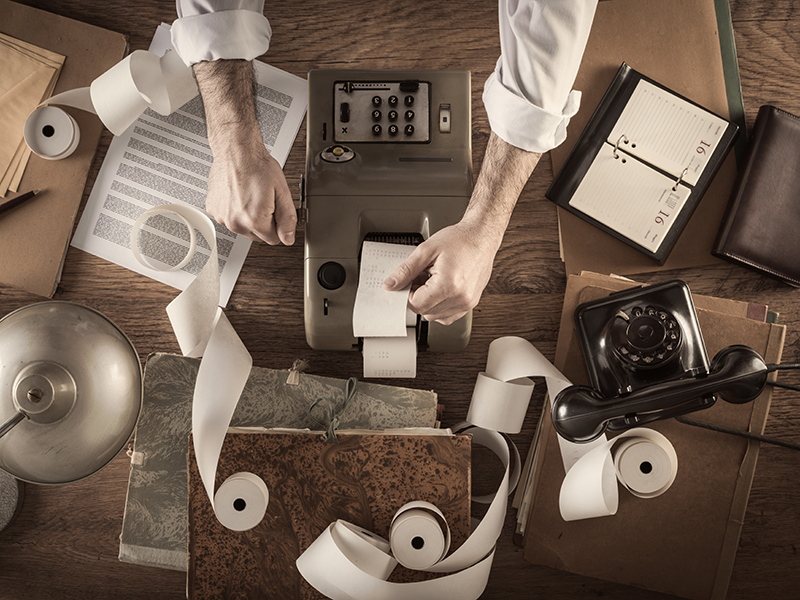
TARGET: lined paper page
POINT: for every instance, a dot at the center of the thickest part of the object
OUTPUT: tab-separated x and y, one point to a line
630	198
667	131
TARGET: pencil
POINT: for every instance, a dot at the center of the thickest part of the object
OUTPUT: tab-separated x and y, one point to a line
8	205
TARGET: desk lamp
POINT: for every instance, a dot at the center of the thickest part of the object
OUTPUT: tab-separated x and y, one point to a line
70	392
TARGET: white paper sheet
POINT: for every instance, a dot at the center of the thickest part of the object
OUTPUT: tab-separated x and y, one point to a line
166	159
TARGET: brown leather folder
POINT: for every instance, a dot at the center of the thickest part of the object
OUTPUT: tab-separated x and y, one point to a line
761	228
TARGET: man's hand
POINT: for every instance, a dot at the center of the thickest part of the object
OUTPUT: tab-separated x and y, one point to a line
459	258
248	194
247	191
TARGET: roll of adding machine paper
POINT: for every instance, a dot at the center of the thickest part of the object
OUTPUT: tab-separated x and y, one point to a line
139	81
51	133
241	501
419	535
644	461
202	329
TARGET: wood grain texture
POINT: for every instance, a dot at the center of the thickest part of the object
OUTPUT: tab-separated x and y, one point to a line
64	544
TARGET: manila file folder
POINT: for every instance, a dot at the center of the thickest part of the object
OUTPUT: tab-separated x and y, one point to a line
34	237
684	541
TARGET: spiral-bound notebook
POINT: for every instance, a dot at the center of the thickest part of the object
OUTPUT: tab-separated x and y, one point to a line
642	163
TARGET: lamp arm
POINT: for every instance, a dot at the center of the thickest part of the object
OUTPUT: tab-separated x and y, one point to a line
9	425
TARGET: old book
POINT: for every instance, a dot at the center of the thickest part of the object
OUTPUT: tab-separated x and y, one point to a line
760	227
362	478
34	262
683	542
154	527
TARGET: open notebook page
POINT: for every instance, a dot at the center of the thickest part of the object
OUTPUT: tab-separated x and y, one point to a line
667	131
630	198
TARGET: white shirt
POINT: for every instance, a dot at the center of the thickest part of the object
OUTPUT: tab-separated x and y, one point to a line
528	98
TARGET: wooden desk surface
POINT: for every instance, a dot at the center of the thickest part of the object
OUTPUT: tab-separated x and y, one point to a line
64	544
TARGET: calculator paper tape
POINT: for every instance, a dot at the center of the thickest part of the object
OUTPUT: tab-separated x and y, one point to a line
119	96
202	329
345	561
500	401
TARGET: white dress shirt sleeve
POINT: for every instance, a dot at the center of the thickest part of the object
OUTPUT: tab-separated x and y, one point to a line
220	29
529	97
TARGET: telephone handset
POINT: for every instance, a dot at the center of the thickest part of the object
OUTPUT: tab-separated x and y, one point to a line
647	361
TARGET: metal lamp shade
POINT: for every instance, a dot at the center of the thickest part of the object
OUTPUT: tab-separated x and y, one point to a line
73	381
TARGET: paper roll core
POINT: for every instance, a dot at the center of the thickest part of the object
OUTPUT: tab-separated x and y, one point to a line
51	133
241	501
419	535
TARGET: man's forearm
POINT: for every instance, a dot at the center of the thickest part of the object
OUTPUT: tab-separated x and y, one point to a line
504	172
228	95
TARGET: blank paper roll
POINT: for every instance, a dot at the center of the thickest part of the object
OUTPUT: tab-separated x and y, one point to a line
419	535
241	501
51	133
647	468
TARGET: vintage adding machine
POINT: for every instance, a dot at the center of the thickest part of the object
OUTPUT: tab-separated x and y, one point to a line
388	158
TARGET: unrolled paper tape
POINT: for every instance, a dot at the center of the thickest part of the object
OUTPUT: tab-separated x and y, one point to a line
202	329
342	562
502	393
644	461
419	535
241	501
51	133
119	96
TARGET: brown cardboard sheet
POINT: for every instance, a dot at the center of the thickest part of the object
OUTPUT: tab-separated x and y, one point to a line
676	43
34	237
683	542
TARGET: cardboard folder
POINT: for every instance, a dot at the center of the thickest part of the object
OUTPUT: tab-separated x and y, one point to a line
34	236
684	541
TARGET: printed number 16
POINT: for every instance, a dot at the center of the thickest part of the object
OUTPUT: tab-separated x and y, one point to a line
660	217
700	149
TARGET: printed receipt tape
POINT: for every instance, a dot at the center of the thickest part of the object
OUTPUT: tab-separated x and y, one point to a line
644	461
202	329
343	561
139	81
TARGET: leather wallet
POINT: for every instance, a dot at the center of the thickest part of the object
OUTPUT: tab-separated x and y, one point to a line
761	226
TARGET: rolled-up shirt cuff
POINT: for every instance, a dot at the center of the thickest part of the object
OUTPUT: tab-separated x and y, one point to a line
229	34
523	124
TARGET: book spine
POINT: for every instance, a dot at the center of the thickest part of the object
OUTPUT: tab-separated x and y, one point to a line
742	180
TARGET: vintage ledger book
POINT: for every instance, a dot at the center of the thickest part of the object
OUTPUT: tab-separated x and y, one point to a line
684	541
642	163
761	225
34	237
154	527
362	478
696	57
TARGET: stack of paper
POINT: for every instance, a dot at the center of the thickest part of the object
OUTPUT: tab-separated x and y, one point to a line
28	77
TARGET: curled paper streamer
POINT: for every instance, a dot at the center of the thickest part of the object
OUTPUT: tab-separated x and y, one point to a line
51	133
503	391
120	95
644	461
202	329
343	561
